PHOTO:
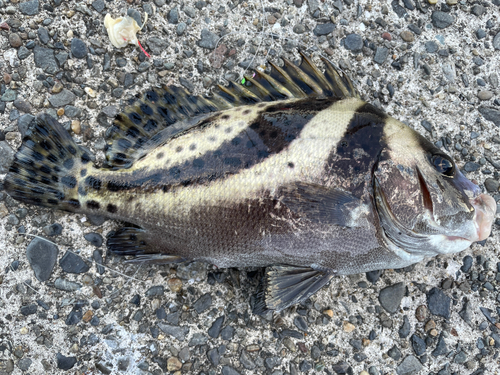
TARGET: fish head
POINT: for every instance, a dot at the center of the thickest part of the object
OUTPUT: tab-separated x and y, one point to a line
425	204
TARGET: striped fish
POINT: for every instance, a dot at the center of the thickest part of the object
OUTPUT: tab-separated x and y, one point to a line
291	171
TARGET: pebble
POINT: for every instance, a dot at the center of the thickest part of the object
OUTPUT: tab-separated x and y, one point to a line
485	95
173	364
490	114
203	303
29	8
181	28
177	332
62	98
410	365
353	42
348	327
394	353
208	39
324	29
247	361
43	35
418	345
215	329
381	54
15	40
98	5
65	363
227	333
491	185
299	29
405	328
228	370
42	256
300	323
29	309
496	41
79	48
471	166
390	297
175	284
438	303
198	339
72	263
24	364
74	317
441	20
94	238
67	285
407	36
173	15
23	52
45	59
155	291
9	95
431	46
6	156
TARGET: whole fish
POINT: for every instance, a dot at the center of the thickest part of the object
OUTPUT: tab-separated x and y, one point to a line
291	171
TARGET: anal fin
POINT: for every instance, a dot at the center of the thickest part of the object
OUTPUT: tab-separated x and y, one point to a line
284	286
136	242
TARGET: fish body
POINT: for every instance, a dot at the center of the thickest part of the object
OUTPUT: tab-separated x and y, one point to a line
293	172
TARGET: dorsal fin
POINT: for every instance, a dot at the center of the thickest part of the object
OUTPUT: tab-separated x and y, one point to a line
175	109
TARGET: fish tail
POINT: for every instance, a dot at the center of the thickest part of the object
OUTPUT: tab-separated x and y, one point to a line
46	167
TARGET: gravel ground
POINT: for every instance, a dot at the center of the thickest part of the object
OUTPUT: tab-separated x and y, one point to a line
433	66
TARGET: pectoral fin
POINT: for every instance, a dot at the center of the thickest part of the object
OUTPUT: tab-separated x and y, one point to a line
320	204
136	242
284	286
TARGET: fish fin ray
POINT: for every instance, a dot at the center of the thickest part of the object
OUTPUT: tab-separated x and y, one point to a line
320	204
284	286
136	242
47	166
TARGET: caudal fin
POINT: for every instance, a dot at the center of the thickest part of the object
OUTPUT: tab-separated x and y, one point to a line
46	167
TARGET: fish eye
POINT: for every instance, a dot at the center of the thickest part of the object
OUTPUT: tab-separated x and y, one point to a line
443	165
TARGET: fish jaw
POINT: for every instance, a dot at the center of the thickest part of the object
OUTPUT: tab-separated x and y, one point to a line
485	208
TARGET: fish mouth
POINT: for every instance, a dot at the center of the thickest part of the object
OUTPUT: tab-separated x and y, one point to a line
485	209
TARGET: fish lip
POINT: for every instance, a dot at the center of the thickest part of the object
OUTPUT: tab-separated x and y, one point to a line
485	209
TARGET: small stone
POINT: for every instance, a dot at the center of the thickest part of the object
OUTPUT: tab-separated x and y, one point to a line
324	29
418	345
155	291
60	112
75	126
441	20
203	303
348	327
45	59
181	28
390	297
98	5
173	364
485	95
79	48
353	42
407	36
471	166
65	363
94	238
23	53
328	313
491	185
208	39
421	313
496	41
61	99
198	339
43	35
173	16
215	329
73	318
22	105
228	370
431	324
381	54
404	331
300	323
175	285
66	285
177	332
72	263
299	29
42	256
438	303
490	114
394	353
410	365
24	364
29	8
15	40
29	309
9	95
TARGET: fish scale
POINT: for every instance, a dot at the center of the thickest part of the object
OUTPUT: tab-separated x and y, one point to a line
291	171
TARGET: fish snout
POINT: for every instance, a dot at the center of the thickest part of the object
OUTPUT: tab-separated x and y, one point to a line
485	207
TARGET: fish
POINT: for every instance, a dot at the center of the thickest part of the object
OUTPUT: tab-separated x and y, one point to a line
291	171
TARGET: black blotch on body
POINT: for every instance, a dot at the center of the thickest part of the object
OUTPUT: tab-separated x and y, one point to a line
69	181
111	208
68	164
93	205
93	182
83	172
160	155
366	132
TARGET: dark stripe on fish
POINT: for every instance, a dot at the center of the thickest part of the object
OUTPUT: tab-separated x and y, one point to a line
358	150
273	130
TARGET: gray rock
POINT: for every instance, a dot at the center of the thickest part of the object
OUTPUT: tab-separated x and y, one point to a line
490	114
94	238
246	360
214	356
42	256
198	339
155	291
6	157
72	263
177	332
74	317
353	42
394	353
29	8
196	271
228	370
208	39
227	333
9	95
79	48
24	122
467	312
381	54
300	323
491	185
441	348
29	309
215	329
431	46
438	303
136	15
190	11
61	58
156	45
66	285
173	15
62	99
143	66
404	331
65	363
72	112
324	29
441	20
471	166
203	303
418	345
22	105
110	111
181	28
24	364
98	5
410	365
496	41
299	29
23	53
390	297
43	35
45	59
